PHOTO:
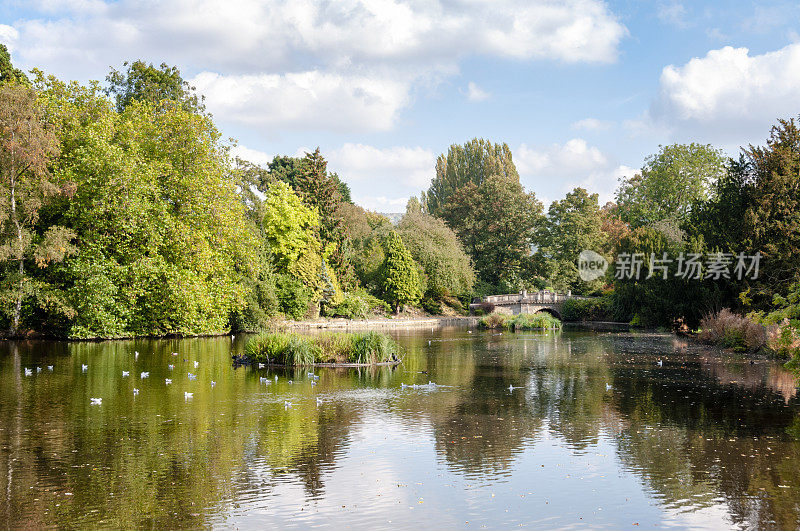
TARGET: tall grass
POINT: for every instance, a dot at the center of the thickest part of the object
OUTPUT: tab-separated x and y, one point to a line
523	321
332	347
736	332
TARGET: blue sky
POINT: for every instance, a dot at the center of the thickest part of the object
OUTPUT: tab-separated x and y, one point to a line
581	90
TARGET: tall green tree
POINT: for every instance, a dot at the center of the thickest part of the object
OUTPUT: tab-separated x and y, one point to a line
669	184
7	71
573	224
496	222
435	247
140	81
399	275
27	145
473	163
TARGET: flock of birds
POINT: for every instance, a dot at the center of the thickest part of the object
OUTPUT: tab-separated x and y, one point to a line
262	380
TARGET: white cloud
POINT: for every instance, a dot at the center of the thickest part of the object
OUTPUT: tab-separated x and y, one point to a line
554	170
475	93
412	167
255	156
591	124
728	95
673	13
8	36
382	203
305	100
358	60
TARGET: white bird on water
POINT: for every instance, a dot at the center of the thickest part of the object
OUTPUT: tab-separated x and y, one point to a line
290	382
313	383
187	395
126	373
609	387
511	388
260	365
196	364
276	377
660	363
96	401
213	383
286	404
136	355
171	366
192	376
38	369
135	391
144	375
28	372
50	368
84	367
167	381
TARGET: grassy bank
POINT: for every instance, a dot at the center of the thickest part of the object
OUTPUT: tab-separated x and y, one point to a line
523	321
331	347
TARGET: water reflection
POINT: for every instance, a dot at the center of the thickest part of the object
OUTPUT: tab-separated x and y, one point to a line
701	440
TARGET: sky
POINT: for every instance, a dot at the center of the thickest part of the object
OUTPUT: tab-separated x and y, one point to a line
581	90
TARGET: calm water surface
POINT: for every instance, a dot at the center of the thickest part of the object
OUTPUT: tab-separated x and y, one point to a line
596	435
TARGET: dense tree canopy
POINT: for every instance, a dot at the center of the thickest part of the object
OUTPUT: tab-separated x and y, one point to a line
144	82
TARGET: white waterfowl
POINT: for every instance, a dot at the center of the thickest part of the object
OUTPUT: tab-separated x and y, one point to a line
196	364
319	401
260	365
213	383
187	395
145	374
28	372
167	381
287	404
660	363
609	387
126	373
50	368
38	369
192	376
96	401
84	367
135	391
171	366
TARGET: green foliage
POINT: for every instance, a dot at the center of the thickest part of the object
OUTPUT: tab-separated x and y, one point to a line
9	74
436	248
333	347
670	183
496	222
474	162
594	309
523	321
400	280
535	321
358	305
573	225
144	82
294	297
28	144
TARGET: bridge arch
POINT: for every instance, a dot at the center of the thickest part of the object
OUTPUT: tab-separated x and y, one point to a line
552	311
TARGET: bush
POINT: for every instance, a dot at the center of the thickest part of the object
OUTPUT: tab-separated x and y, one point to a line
484	308
596	309
294	297
358	305
333	347
494	321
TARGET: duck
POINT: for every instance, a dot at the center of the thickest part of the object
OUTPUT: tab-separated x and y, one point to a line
192	376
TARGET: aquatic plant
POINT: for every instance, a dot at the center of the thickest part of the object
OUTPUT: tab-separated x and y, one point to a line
331	347
536	321
494	321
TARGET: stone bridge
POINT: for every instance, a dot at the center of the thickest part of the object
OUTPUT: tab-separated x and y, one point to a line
524	302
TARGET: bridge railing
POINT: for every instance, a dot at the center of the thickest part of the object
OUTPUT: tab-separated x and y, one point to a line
534	297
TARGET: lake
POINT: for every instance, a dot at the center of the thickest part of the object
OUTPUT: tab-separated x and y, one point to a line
593	432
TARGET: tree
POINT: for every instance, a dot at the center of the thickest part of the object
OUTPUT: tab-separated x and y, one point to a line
9	74
496	223
473	163
144	82
669	184
399	276
435	247
27	145
773	215
573	225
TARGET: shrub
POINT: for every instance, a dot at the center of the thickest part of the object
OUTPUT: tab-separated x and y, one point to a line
494	321
596	309
333	347
358	305
484	308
